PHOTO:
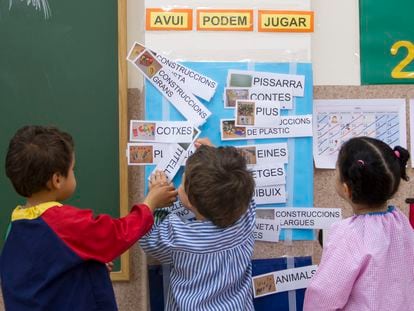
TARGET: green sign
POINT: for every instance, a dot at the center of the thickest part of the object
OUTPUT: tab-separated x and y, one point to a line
387	41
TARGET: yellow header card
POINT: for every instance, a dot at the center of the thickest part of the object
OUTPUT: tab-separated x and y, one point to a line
174	19
225	20
285	21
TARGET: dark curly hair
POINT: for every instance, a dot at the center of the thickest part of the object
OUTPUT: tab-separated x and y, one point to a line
218	184
371	169
35	153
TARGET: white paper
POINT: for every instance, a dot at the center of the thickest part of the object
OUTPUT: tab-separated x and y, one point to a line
171	164
283	96
259	79
289	126
171	88
197	83
268	175
161	131
179	209
270	194
336	121
146	153
256	113
231	46
266	230
265	153
282	281
307	217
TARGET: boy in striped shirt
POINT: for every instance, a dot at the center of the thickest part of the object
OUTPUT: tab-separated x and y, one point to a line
210	257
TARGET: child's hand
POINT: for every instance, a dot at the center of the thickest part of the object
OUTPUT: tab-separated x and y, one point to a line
161	192
158	179
109	266
203	141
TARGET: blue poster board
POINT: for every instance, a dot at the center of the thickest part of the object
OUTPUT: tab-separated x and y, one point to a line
299	170
279	301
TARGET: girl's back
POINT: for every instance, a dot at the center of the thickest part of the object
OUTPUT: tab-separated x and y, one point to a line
368	264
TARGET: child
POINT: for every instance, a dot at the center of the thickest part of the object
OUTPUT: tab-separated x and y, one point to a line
210	257
54	255
368	261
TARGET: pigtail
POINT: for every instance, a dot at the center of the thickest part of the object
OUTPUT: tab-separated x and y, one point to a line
402	156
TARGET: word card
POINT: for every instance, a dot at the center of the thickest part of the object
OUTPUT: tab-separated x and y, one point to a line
161	131
257	113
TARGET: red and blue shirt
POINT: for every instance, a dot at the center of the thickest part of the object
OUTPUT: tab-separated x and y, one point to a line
54	256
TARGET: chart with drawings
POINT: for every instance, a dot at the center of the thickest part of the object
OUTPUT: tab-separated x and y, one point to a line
336	121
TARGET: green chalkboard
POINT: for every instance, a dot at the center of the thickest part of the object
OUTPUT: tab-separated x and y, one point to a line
64	71
386	41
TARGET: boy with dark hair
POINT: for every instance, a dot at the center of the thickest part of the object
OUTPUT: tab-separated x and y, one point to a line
54	255
210	257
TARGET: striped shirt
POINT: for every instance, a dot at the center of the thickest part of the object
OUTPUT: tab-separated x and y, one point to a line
210	266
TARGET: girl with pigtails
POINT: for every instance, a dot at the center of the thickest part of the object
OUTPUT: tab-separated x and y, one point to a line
368	261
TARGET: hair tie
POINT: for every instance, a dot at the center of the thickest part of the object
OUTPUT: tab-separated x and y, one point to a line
361	163
397	153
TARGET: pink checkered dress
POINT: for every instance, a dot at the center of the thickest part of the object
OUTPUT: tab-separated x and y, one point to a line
367	264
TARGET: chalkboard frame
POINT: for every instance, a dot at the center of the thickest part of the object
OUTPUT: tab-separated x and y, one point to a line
123	274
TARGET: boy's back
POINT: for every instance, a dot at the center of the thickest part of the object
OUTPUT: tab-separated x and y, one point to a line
210	257
210	266
54	255
39	271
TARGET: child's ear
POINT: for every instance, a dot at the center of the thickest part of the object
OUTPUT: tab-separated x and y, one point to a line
54	182
347	191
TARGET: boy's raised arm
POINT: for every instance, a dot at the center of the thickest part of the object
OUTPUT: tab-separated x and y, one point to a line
104	238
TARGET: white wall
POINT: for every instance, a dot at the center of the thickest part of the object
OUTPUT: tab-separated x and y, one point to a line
334	43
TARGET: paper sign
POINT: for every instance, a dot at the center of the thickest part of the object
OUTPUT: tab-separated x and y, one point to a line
267	175
257	113
179	209
244	78
336	121
169	19
282	281
282	95
171	164
171	88
199	84
289	126
270	194
146	153
225	20
266	230
265	153
190	149
285	21
161	131
307	217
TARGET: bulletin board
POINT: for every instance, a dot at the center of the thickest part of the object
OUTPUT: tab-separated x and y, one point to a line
69	71
299	184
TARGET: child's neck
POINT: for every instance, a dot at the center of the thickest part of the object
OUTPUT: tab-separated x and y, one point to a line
197	215
361	209
40	197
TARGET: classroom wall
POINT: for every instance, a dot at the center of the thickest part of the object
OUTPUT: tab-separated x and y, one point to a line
334	45
335	41
133	295
336	71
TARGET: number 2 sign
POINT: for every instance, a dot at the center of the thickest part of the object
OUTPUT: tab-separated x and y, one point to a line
386	41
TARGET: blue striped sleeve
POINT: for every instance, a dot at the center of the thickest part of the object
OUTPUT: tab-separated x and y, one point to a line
158	241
